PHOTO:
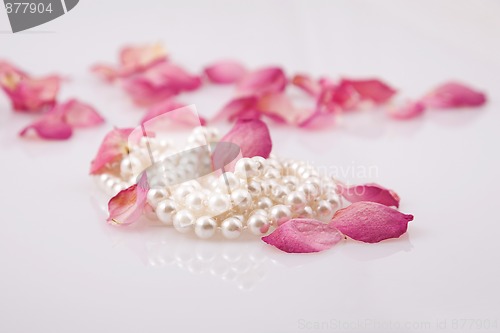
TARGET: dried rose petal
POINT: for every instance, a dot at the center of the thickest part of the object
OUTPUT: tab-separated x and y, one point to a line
30	94
369	192
79	114
371	89
307	84
137	58
371	222
112	149
280	107
244	107
127	206
265	80
409	110
178	117
304	236
106	72
453	95
50	127
225	72
252	136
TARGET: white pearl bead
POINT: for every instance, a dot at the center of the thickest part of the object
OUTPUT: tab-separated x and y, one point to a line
279	214
241	198
194	201
314	180
258	224
155	195
231	228
183	221
264	203
205	227
228	180
279	193
268	186
130	165
254	188
246	168
182	191
307	212
166	210
272	173
334	200
260	163
291	182
296	200
310	190
219	203
324	211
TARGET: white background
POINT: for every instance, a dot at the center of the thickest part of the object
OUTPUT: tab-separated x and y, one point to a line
62	269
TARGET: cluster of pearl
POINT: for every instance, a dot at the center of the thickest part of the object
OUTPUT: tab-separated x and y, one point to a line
258	195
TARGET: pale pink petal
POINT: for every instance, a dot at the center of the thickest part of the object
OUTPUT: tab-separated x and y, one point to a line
174	119
127	206
369	192
279	106
266	80
30	94
106	72
318	120
112	149
307	84
453	95
409	110
252	136
244	107
8	68
78	114
371	89
50	127
136	58
303	236
371	222
225	72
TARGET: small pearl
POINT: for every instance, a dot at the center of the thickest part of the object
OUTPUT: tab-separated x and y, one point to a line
324	211
258	224
241	198
314	180
334	200
231	228
280	192
307	212
205	227
194	201
296	200
291	182
264	203
268	186
183	221
130	165
182	191
254	188
279	214
246	168
218	203
166	210
310	190
228	179
260	163
271	173
155	195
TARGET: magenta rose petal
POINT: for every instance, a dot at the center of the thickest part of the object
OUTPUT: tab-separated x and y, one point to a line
307	84
371	89
265	80
50	127
127	206
369	192
303	236
408	110
454	95
225	72
30	94
371	222
252	136
79	114
244	107
113	147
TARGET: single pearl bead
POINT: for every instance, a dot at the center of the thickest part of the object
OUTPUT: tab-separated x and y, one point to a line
314	180
310	190
228	180
258	224
279	214
182	191
280	192
260	212
268	186
296	200
245	168
241	198
272	173
218	203
274	163
130	165
155	195
307	212
334	200
194	201
260	163
166	210
183	221
291	182
231	228
254	188
264	203
324	211
205	227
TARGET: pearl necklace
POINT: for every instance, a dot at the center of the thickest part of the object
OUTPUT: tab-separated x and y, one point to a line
258	195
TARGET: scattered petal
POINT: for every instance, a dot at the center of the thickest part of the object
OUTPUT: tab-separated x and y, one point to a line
371	89
454	95
318	120
265	80
127	206
239	108
279	106
178	117
369	192
50	127
409	110
371	222
106	72
307	84
225	72
137	58
252	136
78	114
112	149
304	236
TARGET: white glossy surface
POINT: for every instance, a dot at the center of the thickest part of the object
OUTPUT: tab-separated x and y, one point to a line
62	269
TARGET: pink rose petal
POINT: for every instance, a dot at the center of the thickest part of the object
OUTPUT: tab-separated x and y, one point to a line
369	192
318	120
187	118
127	206
279	106
409	110
112	149
50	127
371	89
265	80
307	84
244	107
252	136
137	58
106	72
225	72
453	95
79	114
303	236
371	222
